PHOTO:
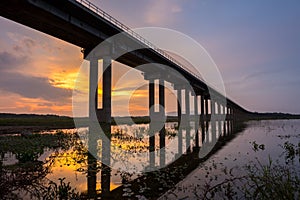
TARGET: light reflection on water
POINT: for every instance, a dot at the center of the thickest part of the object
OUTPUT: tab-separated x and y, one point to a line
71	163
70	160
240	152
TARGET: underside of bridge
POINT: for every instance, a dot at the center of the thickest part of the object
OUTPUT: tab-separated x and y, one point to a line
77	23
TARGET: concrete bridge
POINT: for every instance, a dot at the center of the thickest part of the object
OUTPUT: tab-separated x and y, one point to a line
83	24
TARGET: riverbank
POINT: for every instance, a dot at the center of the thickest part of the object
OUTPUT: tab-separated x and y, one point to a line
18	123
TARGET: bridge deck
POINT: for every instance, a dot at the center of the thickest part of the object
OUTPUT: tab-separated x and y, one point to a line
75	22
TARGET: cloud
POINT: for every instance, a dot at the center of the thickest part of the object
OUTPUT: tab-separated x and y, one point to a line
32	87
9	61
25	84
162	12
22	44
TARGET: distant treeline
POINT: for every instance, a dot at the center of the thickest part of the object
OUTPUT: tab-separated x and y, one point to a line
46	121
275	115
56	121
13	115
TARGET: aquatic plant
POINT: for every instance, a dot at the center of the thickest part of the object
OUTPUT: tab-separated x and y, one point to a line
255	180
61	191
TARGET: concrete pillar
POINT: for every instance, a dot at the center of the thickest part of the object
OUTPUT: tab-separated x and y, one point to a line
107	85
196	115
228	126
179	103
213	107
233	114
202	119
92	177
187	102
93	106
162	132
219	119
206	108
206	114
105	123
219	108
213	121
93	87
187	120
151	132
224	122
227	112
196	106
232	125
202	107
105	181
103	116
213	131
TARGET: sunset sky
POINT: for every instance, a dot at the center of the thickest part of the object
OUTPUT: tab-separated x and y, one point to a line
255	44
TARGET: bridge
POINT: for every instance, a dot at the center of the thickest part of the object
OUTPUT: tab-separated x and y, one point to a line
81	23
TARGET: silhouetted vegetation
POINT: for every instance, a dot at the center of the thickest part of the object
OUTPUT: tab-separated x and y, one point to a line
272	116
257	181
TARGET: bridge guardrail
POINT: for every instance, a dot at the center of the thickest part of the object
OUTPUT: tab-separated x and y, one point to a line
125	28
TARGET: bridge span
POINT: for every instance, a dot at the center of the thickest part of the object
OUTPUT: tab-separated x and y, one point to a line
81	23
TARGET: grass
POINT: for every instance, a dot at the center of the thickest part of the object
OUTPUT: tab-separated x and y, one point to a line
255	180
30	147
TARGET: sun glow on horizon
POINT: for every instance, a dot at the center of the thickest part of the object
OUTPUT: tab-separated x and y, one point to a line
65	80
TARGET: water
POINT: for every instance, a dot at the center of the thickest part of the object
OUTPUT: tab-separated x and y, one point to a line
30	165
270	136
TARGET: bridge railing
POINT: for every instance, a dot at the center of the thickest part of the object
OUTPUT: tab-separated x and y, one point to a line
125	28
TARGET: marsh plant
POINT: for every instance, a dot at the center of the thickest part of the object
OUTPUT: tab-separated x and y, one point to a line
255	180
60	191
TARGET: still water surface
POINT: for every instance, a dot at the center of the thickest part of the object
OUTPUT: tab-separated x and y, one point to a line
269	135
30	163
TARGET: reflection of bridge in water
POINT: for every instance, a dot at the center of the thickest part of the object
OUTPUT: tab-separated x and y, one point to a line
81	23
152	184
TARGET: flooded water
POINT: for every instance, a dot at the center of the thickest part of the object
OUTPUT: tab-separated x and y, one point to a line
56	163
261	143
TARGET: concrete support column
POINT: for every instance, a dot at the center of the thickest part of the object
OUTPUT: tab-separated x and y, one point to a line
103	116
224	122
151	132
202	119
179	111
219	108
202	107
233	111
212	106
228	122
93	88
196	107
219	119
233	118
105	122
196	115
206	108
206	114
187	102
228	113
162	132
187	120
107	86
213	121
92	176
93	106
